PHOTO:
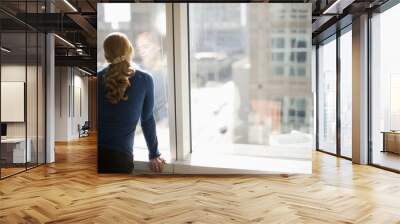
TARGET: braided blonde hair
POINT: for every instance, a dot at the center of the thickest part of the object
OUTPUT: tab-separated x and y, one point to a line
118	51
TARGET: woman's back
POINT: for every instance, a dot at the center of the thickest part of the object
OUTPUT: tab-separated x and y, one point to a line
124	95
117	121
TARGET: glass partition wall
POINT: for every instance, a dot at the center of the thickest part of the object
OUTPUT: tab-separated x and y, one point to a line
334	94
14	152
22	93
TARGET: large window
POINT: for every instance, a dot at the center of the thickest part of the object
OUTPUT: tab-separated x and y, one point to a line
232	81
385	89
346	94
327	96
145	26
335	60
250	79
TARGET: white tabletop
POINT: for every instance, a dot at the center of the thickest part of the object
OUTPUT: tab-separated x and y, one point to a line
13	140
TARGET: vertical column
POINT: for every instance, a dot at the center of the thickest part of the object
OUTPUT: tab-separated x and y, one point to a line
50	92
50	99
182	91
360	90
314	92
316	97
338	99
63	101
171	78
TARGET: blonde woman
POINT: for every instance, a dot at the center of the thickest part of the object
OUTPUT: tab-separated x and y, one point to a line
125	95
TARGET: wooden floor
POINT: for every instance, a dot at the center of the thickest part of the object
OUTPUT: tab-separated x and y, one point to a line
8	171
5	172
387	159
70	191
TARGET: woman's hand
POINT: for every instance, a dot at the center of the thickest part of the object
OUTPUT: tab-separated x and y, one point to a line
157	164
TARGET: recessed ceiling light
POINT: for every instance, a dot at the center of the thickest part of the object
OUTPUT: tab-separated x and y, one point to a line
335	4
65	41
84	71
70	5
5	50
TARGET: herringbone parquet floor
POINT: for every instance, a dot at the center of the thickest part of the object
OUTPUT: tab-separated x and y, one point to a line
70	191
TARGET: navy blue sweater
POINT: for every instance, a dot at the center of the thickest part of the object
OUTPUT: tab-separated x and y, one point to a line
117	122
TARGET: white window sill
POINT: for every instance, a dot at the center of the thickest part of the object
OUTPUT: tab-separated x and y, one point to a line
225	164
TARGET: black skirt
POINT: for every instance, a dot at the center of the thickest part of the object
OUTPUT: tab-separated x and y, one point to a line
114	161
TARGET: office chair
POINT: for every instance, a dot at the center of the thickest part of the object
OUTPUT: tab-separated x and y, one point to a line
84	130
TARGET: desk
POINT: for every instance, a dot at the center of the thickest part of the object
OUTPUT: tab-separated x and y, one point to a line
391	141
13	150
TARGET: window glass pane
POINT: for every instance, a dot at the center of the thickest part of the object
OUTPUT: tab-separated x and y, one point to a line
346	94
278	42
145	26
327	96
243	102
385	92
301	56
314	88
301	44
279	70
301	71
280	56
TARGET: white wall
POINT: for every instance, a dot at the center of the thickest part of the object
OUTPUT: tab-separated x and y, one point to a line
79	117
70	83
61	103
15	73
12	73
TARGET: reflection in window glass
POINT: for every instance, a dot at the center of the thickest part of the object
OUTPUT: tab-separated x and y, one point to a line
145	26
250	104
327	97
346	94
385	89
